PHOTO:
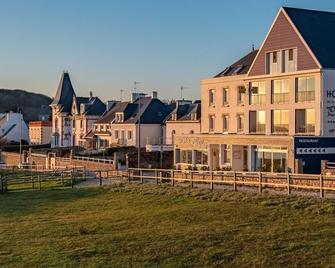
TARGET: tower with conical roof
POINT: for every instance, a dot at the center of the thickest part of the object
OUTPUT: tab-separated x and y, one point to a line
61	112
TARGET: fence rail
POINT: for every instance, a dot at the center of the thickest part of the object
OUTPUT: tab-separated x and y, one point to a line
259	180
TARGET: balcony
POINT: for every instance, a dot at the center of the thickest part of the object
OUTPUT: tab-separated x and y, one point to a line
121	141
280	129
305	129
304	96
258	99
280	98
257	129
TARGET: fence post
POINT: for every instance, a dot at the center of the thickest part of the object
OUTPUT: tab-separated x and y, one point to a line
172	177
1	185
61	179
129	175
191	179
100	179
39	182
72	182
234	186
141	176
156	176
212	180
160	176
321	186
288	183
260	182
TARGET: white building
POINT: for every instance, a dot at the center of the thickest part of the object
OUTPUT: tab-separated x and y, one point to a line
13	128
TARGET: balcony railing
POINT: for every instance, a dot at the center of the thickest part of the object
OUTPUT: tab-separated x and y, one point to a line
122	141
280	98
306	129
258	129
258	99
302	96
280	129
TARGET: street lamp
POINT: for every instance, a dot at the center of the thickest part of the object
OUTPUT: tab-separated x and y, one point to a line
138	126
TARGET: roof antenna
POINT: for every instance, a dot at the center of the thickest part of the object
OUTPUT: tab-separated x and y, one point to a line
181	92
121	94
252	46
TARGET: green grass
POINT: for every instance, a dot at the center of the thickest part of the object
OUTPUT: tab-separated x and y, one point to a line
143	225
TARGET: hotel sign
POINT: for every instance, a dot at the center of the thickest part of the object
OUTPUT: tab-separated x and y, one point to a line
329	111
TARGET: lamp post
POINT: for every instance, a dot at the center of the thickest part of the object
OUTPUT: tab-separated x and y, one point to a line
21	118
138	126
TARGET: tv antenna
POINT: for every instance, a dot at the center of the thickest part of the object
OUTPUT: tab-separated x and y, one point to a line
181	91
121	94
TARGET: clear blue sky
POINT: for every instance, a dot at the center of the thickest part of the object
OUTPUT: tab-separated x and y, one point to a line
106	45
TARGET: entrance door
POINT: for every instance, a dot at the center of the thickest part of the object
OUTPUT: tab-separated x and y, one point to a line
215	156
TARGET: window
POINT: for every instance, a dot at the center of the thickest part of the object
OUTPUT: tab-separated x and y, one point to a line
257	120
280	91
240	123
174	116
305	121
119	117
193	116
211	123
274	57
305	89
225	96
257	93
130	134
272	62
116	134
225	123
186	156
280	121
240	94
290	54
289	61
226	154
201	157
211	97
81	124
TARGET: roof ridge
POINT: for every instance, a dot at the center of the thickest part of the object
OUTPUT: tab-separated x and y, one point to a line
310	10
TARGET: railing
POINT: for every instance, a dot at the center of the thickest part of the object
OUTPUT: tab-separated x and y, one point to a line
92	159
257	99
299	183
306	129
258	129
280	129
302	96
280	98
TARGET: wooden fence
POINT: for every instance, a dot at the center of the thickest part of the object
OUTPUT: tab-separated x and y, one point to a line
12	178
261	180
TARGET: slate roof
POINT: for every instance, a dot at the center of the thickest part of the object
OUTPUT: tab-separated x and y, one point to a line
239	67
153	111
64	94
184	111
317	29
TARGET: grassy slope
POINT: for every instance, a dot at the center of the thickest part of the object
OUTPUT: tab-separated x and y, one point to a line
157	225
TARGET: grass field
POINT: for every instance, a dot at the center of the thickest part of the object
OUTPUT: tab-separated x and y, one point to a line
146	225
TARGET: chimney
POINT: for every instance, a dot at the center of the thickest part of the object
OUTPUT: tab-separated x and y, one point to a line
154	94
91	94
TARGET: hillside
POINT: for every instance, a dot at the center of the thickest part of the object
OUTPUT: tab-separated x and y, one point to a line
30	103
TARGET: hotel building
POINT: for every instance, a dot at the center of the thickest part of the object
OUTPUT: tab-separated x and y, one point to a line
271	109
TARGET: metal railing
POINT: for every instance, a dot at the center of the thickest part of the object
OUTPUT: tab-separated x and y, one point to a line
305	129
302	96
280	98
280	129
257	99
93	159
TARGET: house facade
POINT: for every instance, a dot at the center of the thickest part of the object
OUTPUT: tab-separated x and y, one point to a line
13	128
264	111
135	123
40	132
72	116
184	119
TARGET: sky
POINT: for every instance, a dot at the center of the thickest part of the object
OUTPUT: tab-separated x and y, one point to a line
106	45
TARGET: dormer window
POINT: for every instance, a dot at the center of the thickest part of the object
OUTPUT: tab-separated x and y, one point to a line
193	116
281	61
119	117
174	117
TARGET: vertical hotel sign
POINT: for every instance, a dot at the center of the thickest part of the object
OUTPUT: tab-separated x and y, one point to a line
329	112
